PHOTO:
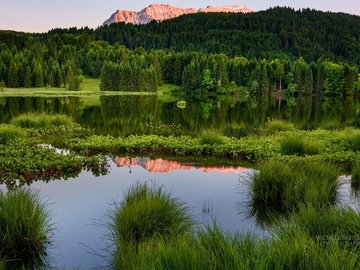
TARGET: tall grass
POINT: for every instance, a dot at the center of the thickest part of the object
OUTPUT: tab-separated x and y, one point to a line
355	177
8	133
297	146
211	137
350	138
277	187
146	213
212	249
24	229
279	125
328	224
34	120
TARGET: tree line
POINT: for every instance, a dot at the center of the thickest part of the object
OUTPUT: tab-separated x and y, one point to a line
274	33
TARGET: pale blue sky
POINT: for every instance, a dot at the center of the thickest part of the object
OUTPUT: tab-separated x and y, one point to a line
42	15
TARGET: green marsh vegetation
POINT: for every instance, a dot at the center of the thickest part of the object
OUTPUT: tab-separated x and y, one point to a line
281	188
314	237
25	229
145	214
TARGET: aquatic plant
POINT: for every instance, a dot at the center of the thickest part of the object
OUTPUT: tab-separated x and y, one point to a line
147	213
350	138
25	228
211	137
297	146
277	187
279	125
34	120
355	177
8	133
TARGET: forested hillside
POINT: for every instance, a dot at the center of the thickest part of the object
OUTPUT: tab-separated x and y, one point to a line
305	52
273	33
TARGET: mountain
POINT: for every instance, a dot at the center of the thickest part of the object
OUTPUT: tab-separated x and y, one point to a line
160	12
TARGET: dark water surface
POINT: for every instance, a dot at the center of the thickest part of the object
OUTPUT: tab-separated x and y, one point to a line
165	115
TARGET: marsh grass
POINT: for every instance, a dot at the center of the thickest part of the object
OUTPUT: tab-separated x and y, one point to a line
34	120
147	213
210	248
8	133
24	229
300	147
211	137
350	138
238	131
355	177
279	125
278	189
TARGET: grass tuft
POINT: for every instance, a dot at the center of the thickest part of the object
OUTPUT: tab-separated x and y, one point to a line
33	120
147	213
211	137
279	125
24	229
8	133
299	147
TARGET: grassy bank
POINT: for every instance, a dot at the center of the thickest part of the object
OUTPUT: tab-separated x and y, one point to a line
338	147
322	237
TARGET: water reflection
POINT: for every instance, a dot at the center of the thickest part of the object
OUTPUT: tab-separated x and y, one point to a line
126	115
160	165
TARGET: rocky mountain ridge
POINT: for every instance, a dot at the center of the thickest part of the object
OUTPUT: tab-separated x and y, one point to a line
161	12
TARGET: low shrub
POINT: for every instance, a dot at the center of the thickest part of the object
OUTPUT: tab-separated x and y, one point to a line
350	138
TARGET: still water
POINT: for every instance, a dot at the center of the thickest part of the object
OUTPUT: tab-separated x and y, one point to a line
165	115
80	206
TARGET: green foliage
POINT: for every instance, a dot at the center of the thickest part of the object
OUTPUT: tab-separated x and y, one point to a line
33	120
350	138
277	187
355	177
25	229
279	125
145	214
297	146
8	133
211	137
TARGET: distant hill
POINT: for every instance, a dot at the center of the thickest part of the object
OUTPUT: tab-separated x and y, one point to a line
275	33
161	12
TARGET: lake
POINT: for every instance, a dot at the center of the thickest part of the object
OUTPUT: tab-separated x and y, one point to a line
166	114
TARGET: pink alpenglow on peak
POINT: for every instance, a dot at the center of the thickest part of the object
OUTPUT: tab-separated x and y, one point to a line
161	12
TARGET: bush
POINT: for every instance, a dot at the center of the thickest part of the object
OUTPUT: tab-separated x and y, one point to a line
33	120
24	229
145	214
211	137
279	125
8	133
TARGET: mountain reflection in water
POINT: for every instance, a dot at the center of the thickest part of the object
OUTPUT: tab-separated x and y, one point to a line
160	165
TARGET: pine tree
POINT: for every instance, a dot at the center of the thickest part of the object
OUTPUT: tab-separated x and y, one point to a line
28	80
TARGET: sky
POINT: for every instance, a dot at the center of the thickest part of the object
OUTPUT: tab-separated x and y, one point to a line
43	15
